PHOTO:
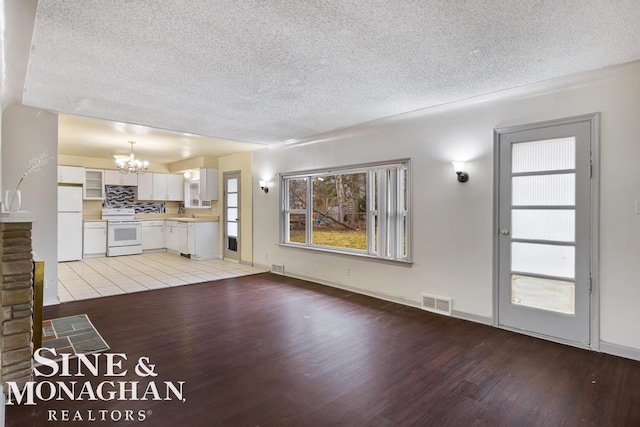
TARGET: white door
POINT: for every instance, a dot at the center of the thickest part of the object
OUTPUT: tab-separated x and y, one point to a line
544	228
232	215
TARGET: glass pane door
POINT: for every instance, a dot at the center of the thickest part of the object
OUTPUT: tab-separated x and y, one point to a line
232	216
544	227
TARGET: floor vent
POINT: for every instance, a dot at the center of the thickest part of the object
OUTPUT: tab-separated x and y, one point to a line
436	304
277	269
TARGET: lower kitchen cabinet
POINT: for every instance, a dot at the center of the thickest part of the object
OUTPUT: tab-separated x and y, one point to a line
171	235
94	241
202	240
198	239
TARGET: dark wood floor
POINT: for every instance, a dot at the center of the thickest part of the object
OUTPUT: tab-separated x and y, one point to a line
269	350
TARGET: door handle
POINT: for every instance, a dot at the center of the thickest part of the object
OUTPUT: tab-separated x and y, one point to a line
504	232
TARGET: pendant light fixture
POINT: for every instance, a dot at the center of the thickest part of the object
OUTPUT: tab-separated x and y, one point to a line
129	164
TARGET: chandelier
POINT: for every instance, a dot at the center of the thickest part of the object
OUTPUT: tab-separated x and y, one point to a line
129	164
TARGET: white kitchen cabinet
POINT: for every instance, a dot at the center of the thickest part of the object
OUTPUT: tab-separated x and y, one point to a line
94	239
182	237
208	184
115	177
71	175
167	186
174	187
171	235
93	184
145	186
153	235
160	183
202	240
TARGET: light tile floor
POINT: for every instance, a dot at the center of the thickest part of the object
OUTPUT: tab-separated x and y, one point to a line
98	277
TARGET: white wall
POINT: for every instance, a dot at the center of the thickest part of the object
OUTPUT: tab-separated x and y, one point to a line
452	222
26	132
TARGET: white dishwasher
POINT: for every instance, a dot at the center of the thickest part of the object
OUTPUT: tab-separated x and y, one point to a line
153	235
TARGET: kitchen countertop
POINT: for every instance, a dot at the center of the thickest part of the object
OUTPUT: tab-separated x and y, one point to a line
186	219
207	218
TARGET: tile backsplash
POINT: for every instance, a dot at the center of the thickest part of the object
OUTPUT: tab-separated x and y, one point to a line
123	196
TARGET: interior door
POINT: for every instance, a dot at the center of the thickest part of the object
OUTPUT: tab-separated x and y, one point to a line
232	215
544	230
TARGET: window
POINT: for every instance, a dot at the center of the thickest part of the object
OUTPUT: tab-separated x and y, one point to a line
192	195
361	210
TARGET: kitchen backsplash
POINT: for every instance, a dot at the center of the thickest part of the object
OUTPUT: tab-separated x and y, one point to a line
123	196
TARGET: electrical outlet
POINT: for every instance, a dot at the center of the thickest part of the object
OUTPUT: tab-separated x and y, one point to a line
347	271
266	257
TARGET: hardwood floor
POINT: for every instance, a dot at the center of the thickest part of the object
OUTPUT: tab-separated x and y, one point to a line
270	350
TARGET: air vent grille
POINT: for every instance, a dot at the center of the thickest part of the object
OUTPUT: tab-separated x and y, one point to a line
277	269
436	304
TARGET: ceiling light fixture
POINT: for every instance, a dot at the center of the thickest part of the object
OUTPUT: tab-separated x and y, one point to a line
129	164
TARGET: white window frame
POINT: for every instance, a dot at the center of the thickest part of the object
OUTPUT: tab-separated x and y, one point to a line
386	204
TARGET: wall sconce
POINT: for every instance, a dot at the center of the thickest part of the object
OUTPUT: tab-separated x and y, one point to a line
463	176
263	186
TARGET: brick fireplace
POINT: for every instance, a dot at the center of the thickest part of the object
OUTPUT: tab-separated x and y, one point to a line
16	300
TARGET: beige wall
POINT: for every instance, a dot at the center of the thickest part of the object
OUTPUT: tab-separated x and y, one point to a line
101	163
242	162
193	163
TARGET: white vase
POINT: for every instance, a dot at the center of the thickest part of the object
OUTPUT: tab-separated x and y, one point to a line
12	200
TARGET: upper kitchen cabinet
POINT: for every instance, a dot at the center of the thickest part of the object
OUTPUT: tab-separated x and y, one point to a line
94	184
160	186
145	186
174	187
114	177
70	175
208	184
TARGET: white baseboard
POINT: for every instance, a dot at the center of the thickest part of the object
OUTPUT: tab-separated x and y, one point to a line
51	301
391	298
620	350
378	295
472	317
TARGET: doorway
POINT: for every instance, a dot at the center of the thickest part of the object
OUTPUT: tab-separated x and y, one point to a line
545	229
232	215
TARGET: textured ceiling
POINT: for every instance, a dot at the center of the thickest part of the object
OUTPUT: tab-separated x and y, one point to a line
272	71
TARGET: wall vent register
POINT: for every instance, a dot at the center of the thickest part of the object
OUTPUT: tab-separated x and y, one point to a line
436	304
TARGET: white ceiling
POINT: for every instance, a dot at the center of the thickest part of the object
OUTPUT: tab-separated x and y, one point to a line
81	136
274	71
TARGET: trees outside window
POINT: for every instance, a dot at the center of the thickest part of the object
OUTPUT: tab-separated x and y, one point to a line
360	210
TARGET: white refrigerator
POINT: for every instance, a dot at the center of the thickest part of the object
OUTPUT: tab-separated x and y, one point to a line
69	223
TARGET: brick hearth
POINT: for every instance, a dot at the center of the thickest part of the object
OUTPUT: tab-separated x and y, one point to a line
16	302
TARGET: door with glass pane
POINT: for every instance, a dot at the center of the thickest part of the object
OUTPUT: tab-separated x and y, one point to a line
232	215
544	230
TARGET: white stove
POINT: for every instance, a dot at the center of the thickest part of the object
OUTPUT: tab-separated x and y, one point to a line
124	231
111	214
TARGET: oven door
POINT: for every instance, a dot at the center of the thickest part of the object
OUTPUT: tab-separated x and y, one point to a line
124	233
